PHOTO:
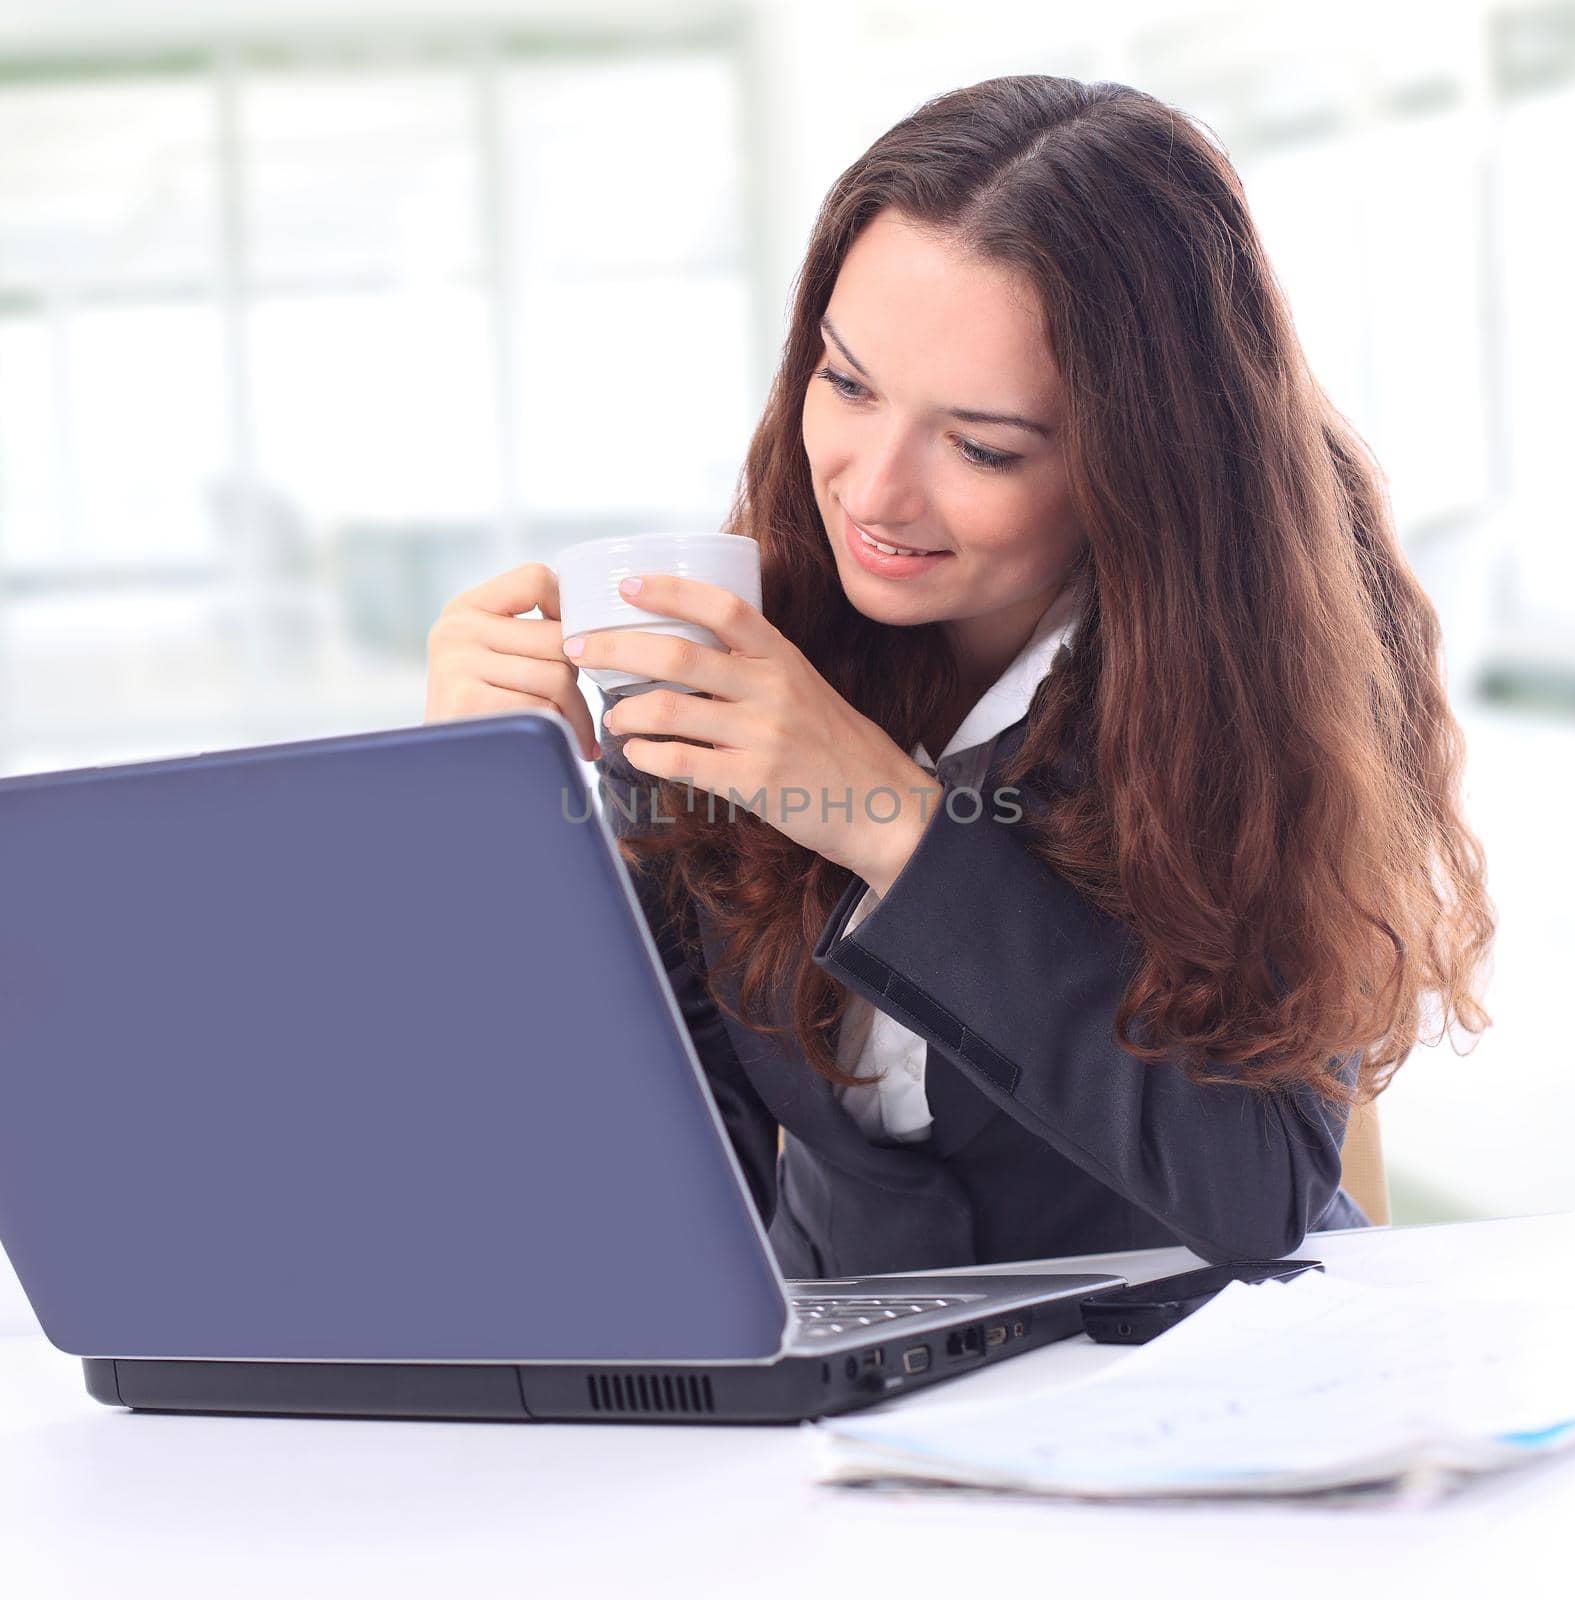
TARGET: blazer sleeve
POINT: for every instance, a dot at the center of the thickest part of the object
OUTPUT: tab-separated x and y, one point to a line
998	962
750	1125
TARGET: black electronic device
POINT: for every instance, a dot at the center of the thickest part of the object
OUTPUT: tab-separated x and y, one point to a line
1135	1314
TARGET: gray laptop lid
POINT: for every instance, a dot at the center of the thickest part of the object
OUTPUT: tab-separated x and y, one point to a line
357	1049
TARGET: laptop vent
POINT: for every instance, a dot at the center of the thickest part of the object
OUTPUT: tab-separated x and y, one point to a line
656	1392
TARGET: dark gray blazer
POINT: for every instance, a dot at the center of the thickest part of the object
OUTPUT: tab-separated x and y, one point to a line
1048	1139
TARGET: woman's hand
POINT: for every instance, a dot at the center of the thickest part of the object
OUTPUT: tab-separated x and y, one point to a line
783	743
484	658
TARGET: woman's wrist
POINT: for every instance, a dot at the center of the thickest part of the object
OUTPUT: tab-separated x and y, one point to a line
893	841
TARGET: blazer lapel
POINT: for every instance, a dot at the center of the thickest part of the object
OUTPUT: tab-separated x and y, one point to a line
807	1104
959	1109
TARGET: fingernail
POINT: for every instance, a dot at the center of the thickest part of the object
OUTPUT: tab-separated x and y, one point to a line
573	647
630	585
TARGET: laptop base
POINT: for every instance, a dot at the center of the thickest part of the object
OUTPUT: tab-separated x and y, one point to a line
794	1389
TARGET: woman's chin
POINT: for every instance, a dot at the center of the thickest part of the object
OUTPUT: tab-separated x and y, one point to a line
880	605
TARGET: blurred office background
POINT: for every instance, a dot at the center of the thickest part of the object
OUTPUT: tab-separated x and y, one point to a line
312	315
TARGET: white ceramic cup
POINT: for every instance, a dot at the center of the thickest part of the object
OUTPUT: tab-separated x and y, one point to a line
589	602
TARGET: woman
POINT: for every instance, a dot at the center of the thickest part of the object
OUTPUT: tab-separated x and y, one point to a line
1095	860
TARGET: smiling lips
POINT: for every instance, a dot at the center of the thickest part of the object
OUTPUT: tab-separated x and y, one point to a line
872	558
888	549
892	549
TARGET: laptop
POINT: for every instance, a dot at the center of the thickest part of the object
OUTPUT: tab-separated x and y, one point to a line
343	1077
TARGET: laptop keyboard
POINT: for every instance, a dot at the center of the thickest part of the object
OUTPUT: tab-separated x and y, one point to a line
821	1316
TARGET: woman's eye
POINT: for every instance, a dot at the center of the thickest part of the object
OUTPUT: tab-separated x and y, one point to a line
984	458
975	455
844	386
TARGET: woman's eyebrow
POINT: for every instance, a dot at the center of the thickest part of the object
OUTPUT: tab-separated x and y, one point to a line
961	415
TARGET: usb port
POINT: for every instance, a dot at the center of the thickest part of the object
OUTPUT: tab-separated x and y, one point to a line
996	1335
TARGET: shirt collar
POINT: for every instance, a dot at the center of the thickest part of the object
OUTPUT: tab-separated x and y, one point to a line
1007	699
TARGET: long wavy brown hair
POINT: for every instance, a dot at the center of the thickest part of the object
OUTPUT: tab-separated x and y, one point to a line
1249	757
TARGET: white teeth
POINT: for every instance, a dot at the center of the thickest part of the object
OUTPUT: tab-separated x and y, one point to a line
891	549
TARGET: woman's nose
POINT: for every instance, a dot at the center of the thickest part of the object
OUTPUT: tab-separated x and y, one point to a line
885	492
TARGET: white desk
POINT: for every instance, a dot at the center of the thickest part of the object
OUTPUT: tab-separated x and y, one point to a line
98	1501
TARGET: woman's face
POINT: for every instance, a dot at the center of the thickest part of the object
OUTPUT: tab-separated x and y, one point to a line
914	332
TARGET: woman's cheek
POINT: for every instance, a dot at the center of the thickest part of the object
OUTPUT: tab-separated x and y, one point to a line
810	430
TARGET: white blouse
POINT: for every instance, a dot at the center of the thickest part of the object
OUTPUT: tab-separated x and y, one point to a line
894	1108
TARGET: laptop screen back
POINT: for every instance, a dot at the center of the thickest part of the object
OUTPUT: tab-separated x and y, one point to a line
356	1049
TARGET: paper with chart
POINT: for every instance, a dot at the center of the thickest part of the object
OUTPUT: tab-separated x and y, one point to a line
1305	1385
